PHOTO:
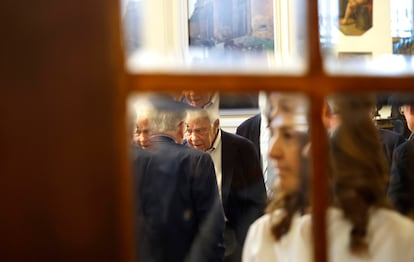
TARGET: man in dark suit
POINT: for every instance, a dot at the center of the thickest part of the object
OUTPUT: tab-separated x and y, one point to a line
256	129
250	129
401	188
238	173
390	141
180	217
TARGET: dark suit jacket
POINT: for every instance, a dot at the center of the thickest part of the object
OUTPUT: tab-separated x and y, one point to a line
401	188
243	190
181	215
390	140
250	129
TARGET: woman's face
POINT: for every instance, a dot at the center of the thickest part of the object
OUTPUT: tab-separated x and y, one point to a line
285	151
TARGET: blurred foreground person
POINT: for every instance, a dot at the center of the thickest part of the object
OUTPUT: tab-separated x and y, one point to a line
272	237
361	226
239	177
179	215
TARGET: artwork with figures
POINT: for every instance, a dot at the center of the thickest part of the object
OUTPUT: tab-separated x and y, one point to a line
355	16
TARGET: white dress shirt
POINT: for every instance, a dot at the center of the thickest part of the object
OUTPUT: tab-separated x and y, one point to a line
264	144
390	237
215	153
261	246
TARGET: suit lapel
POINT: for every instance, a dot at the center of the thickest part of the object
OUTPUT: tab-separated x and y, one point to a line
227	162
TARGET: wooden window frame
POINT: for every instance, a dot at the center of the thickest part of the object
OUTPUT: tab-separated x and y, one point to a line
65	170
315	83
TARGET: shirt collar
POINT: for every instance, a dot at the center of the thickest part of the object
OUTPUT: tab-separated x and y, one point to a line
264	121
216	142
162	138
213	100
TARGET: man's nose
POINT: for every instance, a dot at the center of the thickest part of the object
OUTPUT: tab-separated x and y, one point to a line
275	150
193	136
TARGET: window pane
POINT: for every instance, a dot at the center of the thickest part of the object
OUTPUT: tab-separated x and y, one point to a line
370	167
265	36
177	172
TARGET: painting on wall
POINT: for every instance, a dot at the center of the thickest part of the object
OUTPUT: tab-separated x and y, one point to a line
355	16
222	27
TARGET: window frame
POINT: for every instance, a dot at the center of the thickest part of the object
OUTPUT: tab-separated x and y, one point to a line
316	84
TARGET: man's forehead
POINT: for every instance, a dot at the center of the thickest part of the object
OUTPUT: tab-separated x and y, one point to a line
198	121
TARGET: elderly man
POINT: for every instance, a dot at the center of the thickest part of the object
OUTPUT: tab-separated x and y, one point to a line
179	216
142	133
238	172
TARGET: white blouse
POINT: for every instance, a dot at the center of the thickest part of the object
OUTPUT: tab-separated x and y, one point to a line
261	246
390	238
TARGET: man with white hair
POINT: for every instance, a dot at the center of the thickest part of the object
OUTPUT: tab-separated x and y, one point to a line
238	172
179	215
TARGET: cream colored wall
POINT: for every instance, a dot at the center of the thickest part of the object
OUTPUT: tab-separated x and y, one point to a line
165	35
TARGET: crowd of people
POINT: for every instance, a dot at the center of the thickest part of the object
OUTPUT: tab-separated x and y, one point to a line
204	194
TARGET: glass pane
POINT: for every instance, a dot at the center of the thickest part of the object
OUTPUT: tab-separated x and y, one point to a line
266	36
184	163
370	166
366	36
